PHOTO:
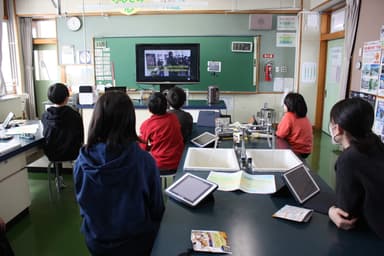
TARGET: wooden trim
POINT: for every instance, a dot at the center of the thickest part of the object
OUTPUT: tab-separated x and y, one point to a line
44	41
63	74
5	10
325	25
299	54
321	84
332	36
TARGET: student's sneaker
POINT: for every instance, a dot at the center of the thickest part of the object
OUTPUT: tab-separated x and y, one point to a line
60	182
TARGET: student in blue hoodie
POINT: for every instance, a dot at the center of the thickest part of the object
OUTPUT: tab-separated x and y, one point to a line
117	184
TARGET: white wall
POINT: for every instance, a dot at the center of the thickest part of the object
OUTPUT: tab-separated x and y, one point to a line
41	7
10	104
310	46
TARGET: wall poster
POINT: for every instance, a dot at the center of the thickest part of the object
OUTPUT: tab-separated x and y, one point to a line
378	126
380	92
370	72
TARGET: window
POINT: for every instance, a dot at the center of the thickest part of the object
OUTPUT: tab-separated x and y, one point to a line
43	29
337	20
6	67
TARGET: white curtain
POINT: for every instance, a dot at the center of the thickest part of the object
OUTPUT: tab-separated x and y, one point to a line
3	87
27	53
352	11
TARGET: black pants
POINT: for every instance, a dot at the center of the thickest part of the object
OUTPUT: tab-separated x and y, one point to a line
5	247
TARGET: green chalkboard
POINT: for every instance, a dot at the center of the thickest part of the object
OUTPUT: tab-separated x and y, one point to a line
236	67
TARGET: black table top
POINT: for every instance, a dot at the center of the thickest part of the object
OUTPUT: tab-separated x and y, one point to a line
247	219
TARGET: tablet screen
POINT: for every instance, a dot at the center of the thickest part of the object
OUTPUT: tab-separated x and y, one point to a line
204	139
7	120
190	189
301	183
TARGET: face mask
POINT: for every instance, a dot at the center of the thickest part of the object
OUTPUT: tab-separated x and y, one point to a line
333	136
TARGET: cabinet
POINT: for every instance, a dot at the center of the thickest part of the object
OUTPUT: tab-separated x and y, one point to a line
15	196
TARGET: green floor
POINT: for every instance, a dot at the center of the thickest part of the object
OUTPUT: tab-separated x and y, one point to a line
52	226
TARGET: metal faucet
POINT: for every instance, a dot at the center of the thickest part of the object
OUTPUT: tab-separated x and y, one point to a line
243	153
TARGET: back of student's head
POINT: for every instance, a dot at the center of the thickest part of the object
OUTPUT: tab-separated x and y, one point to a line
176	97
355	116
57	93
157	103
113	121
295	103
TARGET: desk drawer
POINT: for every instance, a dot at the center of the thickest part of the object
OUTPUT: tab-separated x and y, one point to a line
14	195
12	165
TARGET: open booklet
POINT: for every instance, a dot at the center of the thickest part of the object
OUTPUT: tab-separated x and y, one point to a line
255	184
294	213
210	241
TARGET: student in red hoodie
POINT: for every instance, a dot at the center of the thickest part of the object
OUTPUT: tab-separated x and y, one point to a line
295	127
161	134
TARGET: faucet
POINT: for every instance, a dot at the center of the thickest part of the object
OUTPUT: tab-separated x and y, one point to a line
243	153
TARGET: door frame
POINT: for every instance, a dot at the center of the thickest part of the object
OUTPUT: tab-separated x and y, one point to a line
325	36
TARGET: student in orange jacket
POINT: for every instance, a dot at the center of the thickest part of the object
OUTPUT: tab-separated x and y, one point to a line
295	127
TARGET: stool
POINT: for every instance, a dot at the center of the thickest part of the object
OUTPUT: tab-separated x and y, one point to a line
164	174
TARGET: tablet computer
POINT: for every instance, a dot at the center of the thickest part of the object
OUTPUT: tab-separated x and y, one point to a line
204	139
190	189
7	120
300	183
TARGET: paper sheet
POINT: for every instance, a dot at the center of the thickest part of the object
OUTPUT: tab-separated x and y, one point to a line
31	129
255	184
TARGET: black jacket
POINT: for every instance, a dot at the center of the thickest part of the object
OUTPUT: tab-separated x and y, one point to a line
63	132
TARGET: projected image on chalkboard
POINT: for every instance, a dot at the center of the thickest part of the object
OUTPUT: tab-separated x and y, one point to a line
167	63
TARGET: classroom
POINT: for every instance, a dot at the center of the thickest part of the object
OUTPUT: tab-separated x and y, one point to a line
244	67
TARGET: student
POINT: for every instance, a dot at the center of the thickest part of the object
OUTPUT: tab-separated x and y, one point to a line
62	128
359	168
176	98
161	134
295	127
117	184
5	247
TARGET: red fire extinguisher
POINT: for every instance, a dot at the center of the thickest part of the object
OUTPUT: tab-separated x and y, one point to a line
268	72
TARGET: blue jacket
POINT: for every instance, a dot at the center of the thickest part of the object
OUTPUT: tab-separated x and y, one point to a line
120	198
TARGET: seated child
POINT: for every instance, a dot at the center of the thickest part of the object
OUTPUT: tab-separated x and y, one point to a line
62	128
176	98
295	127
117	184
161	134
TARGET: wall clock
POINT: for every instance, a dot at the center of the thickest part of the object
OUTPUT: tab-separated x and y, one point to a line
74	23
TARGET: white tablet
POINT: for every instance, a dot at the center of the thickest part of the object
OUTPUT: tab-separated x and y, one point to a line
7	120
190	189
204	139
301	184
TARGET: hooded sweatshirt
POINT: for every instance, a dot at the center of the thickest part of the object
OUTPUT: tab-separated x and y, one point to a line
63	132
120	199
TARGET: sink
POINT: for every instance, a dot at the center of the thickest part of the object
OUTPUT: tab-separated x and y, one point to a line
273	160
211	159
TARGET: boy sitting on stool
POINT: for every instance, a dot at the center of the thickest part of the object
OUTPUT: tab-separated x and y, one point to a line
62	129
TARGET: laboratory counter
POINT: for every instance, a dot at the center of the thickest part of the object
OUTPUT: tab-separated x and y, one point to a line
247	219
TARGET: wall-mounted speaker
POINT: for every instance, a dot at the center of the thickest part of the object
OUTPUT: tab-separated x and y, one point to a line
260	21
